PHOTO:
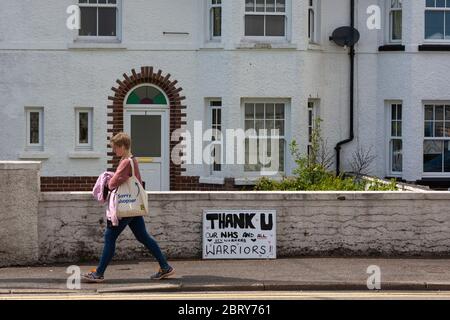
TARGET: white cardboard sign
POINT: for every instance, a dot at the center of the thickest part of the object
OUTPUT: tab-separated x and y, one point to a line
239	234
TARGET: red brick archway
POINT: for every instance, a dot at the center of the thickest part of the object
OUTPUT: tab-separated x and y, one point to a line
115	114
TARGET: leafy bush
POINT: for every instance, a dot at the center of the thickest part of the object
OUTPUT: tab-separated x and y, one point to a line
311	173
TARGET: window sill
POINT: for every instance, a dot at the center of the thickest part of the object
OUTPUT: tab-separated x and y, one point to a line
34	155
212	45
212	180
394	176
96	44
434	47
435	178
85	155
437	175
266	45
392	47
314	46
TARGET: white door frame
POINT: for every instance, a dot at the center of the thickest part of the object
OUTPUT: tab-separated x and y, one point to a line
164	111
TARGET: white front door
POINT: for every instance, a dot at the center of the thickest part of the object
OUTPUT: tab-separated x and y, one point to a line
149	132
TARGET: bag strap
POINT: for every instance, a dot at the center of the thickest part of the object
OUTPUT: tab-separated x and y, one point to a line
132	166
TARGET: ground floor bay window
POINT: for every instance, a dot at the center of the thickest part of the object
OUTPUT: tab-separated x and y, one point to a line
261	119
436	147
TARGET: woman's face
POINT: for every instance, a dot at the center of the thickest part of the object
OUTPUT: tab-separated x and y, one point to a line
119	151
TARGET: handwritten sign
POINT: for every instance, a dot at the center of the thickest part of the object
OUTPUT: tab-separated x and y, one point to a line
239	234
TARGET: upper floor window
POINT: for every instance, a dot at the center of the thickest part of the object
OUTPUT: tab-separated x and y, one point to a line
395	20
265	18
437	20
313	20
99	18
215	19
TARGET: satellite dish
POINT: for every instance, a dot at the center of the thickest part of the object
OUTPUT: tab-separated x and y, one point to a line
345	36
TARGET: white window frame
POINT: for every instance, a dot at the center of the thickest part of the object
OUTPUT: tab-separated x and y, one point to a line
314	24
389	21
211	5
97	38
35	146
427	174
445	9
287	24
84	146
391	137
219	143
285	137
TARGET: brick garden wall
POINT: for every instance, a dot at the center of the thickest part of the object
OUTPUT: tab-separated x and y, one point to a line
181	183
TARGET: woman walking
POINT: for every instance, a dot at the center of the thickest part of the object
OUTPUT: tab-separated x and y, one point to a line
121	144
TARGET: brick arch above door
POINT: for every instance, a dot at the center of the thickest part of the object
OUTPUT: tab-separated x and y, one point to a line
147	75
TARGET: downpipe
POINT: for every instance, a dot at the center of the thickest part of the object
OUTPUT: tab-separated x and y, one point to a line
352	86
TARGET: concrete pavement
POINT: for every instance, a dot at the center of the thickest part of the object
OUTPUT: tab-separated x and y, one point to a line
293	274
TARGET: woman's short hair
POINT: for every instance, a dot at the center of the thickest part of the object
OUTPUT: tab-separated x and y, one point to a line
121	139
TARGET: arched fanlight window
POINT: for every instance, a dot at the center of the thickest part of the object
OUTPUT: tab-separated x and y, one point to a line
146	95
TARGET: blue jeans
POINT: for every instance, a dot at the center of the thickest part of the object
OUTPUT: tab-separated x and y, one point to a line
137	225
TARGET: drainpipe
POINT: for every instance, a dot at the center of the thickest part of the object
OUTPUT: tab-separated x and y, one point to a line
352	84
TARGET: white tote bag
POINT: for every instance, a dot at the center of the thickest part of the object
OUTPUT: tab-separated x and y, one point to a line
132	200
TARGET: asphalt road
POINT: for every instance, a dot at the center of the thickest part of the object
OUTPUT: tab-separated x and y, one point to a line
229	296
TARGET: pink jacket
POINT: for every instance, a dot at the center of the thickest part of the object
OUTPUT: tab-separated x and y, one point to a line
99	195
123	172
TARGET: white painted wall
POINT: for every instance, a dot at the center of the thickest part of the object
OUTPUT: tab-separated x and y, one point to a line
40	65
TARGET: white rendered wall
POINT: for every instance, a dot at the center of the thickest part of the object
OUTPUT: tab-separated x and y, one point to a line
41	65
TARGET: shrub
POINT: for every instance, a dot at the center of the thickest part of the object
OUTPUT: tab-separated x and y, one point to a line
311	173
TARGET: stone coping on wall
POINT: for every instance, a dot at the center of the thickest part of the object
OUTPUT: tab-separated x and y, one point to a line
263	195
20	165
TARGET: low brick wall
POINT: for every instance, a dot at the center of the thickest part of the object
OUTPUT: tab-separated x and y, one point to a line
49	227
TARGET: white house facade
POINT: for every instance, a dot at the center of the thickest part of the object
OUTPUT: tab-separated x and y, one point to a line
157	68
